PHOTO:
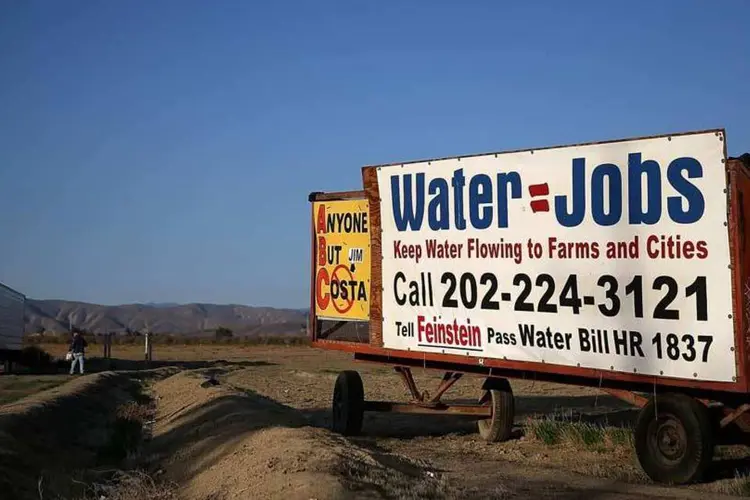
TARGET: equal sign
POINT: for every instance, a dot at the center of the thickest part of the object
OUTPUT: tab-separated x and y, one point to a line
536	190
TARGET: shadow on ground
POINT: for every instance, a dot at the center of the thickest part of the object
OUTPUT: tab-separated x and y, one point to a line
217	429
215	440
602	410
48	438
101	364
98	365
729	462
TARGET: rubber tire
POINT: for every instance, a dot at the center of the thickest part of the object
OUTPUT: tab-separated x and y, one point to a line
348	403
500	426
699	443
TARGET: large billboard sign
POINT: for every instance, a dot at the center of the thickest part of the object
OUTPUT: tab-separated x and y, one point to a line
342	259
609	256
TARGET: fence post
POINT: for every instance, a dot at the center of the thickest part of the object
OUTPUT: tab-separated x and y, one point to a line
109	349
147	348
105	347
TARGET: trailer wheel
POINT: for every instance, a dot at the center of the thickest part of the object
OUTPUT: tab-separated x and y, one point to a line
499	395
674	439
348	403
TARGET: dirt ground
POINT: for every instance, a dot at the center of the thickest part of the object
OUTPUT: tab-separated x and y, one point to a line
268	414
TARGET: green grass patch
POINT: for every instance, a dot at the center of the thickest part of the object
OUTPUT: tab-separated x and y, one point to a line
620	436
547	431
583	434
579	434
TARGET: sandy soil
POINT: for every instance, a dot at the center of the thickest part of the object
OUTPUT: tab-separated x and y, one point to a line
261	432
218	443
304	381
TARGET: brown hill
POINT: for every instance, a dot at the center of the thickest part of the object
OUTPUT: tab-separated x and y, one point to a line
187	319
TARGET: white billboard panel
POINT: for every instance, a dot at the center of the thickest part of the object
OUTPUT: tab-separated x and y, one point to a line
610	256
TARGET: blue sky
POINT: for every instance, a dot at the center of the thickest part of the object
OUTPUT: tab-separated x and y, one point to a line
164	150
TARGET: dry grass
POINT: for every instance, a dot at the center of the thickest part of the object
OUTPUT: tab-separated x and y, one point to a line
15	387
131	485
739	486
126	433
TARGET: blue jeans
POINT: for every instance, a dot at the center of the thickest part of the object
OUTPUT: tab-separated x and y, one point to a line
77	358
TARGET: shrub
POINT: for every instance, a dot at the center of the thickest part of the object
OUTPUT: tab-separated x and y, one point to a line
35	358
223	333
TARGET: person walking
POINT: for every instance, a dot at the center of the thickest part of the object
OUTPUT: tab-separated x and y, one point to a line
77	349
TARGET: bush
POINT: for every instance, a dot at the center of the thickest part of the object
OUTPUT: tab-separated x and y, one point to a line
35	358
223	333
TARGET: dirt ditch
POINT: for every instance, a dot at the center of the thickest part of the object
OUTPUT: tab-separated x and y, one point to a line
160	435
59	442
241	431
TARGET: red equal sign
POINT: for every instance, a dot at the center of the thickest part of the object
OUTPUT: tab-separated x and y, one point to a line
536	190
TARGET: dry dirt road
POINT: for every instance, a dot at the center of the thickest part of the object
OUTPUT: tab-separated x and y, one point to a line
297	384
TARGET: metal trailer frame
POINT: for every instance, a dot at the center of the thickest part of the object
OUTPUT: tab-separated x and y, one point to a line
700	413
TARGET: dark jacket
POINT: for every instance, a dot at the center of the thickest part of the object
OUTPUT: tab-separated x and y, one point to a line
79	344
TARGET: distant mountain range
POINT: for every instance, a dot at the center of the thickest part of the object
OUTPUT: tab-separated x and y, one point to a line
162	304
180	319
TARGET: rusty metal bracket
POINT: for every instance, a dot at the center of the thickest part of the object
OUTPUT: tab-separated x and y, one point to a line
449	379
628	396
411	385
423	399
339	325
739	416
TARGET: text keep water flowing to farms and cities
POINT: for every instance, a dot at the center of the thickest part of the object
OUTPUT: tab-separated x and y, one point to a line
609	256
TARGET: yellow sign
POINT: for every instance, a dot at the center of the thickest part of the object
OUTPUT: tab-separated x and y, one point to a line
342	259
